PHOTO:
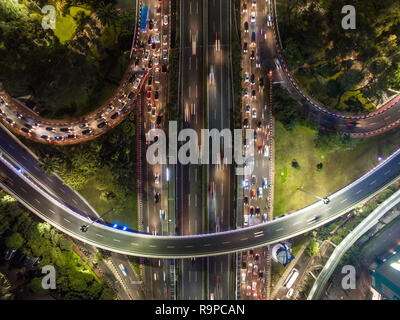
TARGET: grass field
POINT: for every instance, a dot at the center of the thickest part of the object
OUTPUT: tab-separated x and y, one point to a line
339	167
127	217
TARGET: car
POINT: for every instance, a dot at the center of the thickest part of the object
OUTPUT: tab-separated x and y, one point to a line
152	124
82	125
212	189
265	217
254	113
51	129
253	38
244	7
151	25
150	65
258	62
250	268
148	95
109	109
156	61
266	151
243	274
150	80
277	63
155	27
158	121
123	270
289	293
253	94
58	138
253	193
269	21
146	55
246	27
351	123
255	269
131	95
253	17
254	3
10	121
99	118
71	136
246	123
158	10
211	296
260	193
165	54
211	74
254	286
251	211
252	55
157	178
257	211
245	47
153	111
102	125
248	108
26	130
156	197
87	131
165	40
163	216
115	115
164	68
43	136
246	200
245	183
137	83
165	20
261	83
245	143
156	95
148	108
248	291
259	126
246	77
252	79
253	180
65	129
265	183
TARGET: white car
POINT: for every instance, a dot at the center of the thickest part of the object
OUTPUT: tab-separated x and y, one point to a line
243	276
123	270
269	21
165	20
289	293
246	77
253	17
157	178
266	151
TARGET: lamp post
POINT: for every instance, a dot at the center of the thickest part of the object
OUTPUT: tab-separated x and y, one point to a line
84	228
325	200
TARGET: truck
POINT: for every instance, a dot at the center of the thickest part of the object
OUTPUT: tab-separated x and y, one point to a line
143	19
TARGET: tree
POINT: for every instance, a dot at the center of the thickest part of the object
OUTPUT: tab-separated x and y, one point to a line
313	247
15	241
106	14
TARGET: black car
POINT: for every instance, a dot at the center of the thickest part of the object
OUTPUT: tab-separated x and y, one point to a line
43	136
149	40
150	64
26	130
136	64
131	95
246	199
158	120
58	138
246	122
65	129
151	24
257	211
28	126
156	197
87	131
132	77
252	78
102	125
150	80
261	82
71	136
255	135
164	68
50	129
252	55
246	26
156	95
115	115
253	93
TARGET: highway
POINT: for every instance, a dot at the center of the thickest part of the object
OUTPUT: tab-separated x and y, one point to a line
145	245
189	187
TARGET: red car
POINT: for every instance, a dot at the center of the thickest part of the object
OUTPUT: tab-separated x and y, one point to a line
148	95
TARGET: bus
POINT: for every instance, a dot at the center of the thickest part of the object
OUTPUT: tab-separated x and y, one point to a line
143	19
291	278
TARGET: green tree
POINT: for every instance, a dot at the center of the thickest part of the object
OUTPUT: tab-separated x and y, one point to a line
106	14
15	241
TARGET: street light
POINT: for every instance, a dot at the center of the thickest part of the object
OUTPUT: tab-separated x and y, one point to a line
325	199
85	228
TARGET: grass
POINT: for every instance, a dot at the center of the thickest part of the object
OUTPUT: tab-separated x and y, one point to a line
128	216
66	26
339	168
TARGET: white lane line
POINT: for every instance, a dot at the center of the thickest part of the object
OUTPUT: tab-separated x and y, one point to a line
387	172
358	191
52	211
62	190
23	190
188	246
344	200
134	243
226	242
259	235
195	200
37	200
258	232
170	247
67	220
244	239
372	182
116	240
23	157
99	235
296	223
152	246
280	229
48	178
207	244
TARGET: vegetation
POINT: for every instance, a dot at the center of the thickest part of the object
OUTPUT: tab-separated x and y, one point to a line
346	70
68	71
74	278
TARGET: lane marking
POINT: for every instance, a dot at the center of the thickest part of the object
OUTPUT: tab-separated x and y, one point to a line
117	240
372	182
226	242
67	220
358	191
37	200
23	190
99	235
52	211
280	229
170	247
134	243
207	244
152	246
343	200
387	172
73	200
